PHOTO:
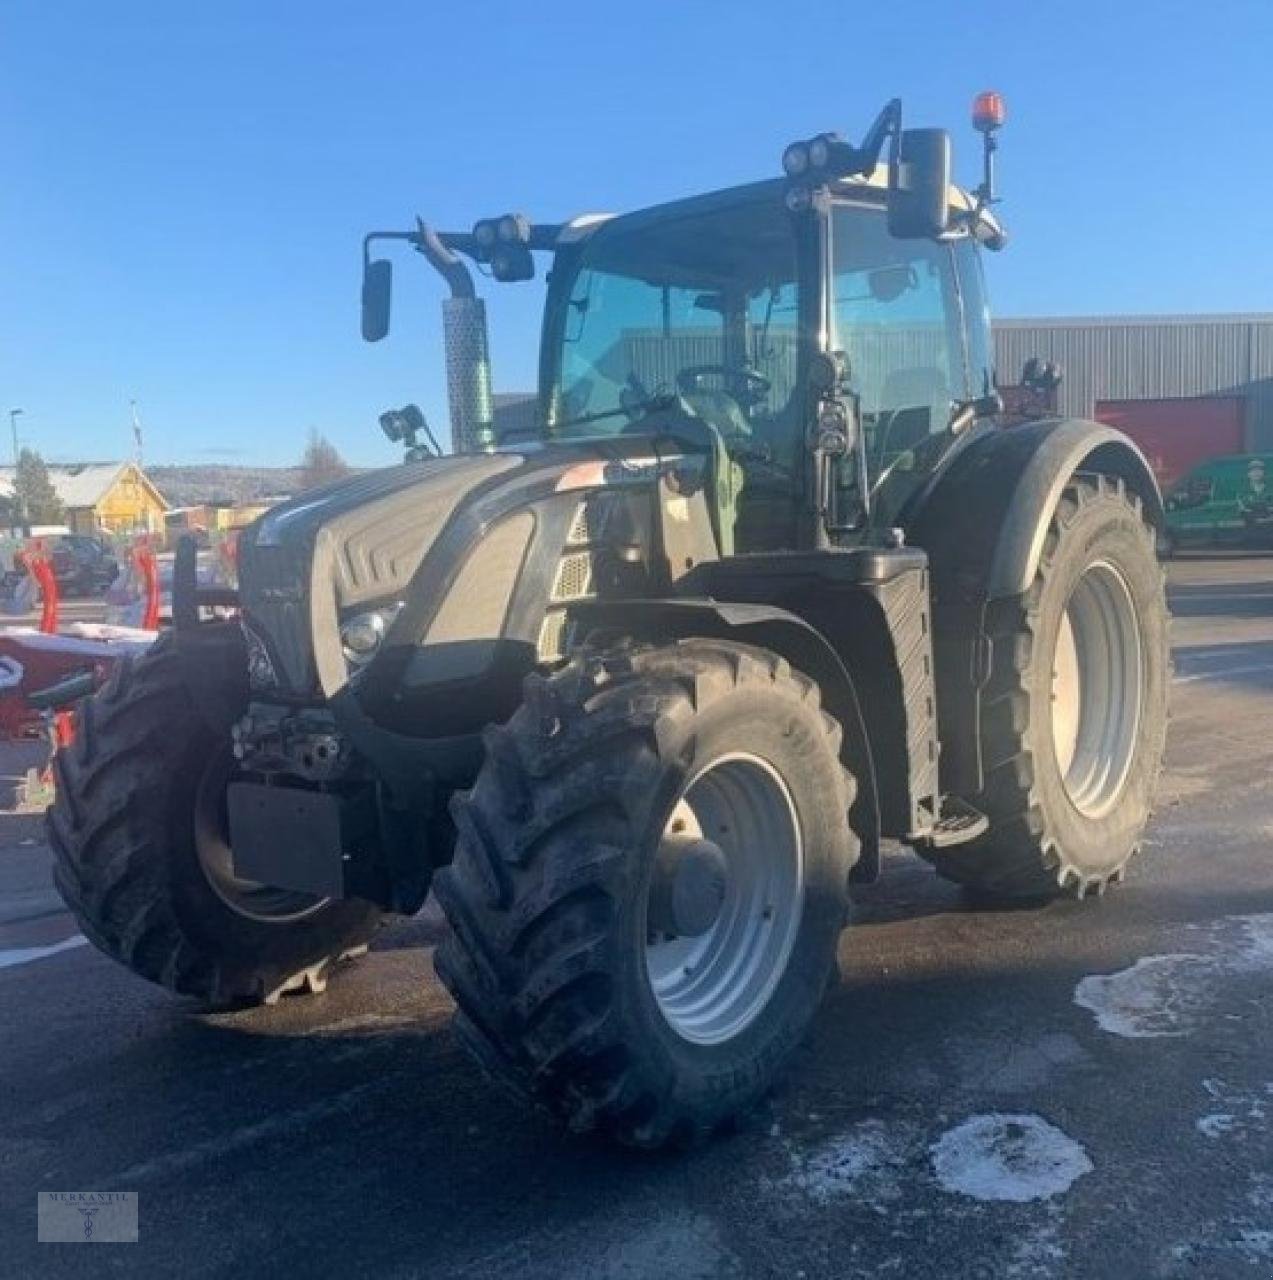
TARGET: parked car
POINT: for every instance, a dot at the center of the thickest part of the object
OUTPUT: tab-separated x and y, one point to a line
1222	502
83	565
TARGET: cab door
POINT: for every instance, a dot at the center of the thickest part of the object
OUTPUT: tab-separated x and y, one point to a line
897	313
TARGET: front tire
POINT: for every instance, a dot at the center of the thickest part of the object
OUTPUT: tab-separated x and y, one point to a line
141	858
1076	707
570	985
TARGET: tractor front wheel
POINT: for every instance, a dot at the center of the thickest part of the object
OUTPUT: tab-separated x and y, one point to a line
142	857
650	878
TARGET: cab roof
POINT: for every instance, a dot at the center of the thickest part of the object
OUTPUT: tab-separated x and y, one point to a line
872	186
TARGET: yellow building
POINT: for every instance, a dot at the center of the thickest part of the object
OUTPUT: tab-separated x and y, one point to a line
103	497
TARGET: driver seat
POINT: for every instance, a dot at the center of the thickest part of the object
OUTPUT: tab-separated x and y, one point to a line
915	403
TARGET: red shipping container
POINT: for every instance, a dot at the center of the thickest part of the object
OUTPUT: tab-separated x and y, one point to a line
1175	435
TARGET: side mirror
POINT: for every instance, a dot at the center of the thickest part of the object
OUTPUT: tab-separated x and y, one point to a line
377	288
919	185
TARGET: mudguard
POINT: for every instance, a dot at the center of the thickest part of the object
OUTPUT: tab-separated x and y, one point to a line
983	518
781	632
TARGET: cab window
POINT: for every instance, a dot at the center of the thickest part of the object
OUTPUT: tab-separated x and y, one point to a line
898	318
1194	491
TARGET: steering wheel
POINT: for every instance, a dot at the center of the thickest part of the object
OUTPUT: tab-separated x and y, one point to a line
745	385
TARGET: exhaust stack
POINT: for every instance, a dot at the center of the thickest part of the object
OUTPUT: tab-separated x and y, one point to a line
468	356
468	372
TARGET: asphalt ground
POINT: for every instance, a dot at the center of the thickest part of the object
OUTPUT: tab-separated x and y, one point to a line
1075	1090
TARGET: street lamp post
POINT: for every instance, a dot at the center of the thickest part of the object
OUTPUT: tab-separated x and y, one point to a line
14	414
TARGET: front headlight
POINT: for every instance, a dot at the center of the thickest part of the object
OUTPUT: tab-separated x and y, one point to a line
363	634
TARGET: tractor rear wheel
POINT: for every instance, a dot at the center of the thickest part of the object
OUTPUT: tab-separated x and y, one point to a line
650	878
141	856
1076	710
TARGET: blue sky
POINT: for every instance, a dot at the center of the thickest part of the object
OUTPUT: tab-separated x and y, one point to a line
183	188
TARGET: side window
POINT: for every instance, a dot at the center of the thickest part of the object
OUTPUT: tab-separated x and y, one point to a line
1196	491
897	317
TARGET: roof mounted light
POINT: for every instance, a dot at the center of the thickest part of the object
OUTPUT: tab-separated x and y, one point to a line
798	199
795	159
988	111
820	149
827	155
486	233
514	228
512	262
988	115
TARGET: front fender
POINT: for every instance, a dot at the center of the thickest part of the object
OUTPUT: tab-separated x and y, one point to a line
781	632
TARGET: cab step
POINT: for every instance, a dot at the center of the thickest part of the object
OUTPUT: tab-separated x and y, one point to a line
957	823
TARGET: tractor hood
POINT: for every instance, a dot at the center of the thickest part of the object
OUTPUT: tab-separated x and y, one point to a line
368	534
447	560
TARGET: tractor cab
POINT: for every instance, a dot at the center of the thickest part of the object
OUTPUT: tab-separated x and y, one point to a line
822	337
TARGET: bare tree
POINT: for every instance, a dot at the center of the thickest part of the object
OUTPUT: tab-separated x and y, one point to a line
320	463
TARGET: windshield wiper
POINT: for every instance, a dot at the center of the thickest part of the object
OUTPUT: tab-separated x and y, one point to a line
651	404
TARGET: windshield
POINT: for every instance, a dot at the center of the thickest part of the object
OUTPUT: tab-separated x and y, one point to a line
702	306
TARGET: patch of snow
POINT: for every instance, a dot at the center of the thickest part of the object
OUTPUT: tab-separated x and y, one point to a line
1167	995
867	1151
1157	996
1038	1255
1257	943
1217	1124
1016	1158
1256	1245
1244	1109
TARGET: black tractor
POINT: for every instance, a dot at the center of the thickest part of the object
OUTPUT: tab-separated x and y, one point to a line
641	681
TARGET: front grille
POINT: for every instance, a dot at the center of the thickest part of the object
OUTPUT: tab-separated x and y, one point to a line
580	528
552	636
574	577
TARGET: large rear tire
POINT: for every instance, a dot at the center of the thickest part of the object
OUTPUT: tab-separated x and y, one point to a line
572	985
141	857
1076	710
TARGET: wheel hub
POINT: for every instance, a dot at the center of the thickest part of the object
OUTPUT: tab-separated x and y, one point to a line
725	899
1097	689
687	889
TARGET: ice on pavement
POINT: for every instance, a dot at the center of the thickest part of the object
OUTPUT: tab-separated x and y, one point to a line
1008	1157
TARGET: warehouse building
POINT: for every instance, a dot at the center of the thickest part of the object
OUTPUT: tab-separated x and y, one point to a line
1184	388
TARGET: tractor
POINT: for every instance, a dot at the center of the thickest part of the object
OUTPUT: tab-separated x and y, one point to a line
641	684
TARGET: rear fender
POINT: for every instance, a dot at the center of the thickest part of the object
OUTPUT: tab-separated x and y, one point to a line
780	632
983	519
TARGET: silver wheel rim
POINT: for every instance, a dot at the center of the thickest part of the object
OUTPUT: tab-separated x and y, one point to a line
1097	689
711	987
260	902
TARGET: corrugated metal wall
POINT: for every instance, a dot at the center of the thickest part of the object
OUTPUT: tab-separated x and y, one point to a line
1135	357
